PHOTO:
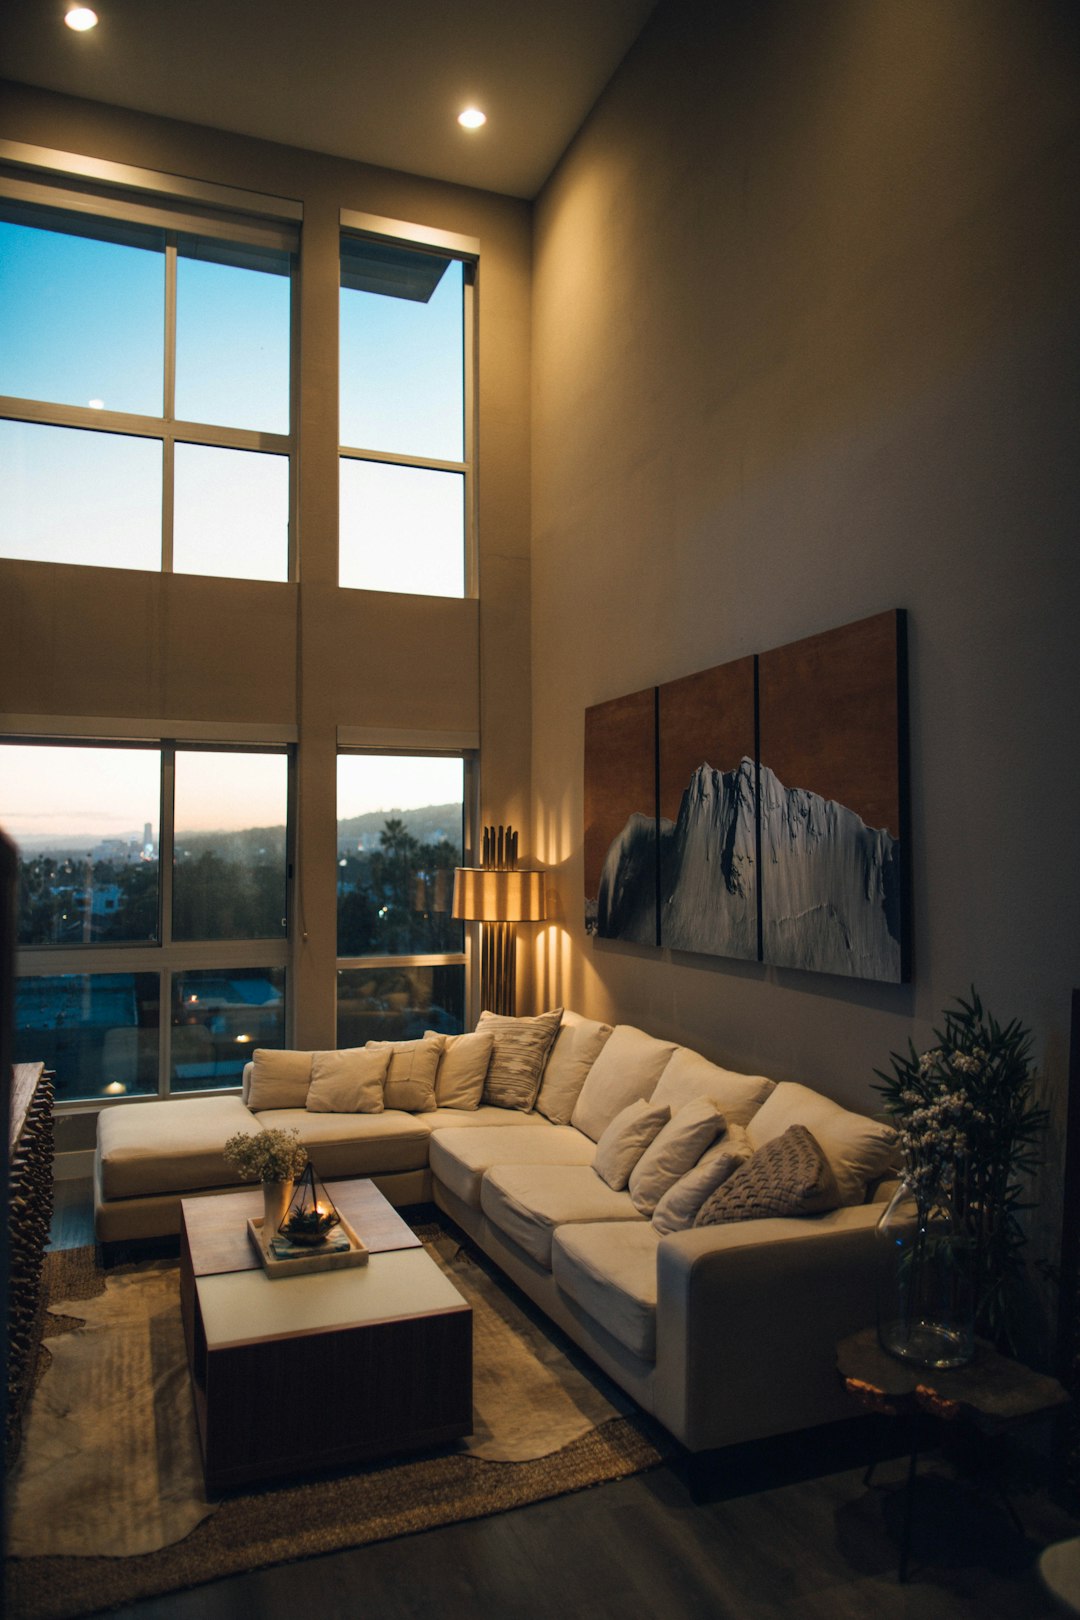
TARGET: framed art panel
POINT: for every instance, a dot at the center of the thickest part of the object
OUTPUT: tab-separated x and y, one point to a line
620	819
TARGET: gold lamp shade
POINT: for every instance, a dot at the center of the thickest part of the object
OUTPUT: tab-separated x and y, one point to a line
483	895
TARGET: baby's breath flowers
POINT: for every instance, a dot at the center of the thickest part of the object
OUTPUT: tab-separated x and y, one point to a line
273	1155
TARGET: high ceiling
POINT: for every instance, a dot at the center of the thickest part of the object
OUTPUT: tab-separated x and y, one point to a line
382	83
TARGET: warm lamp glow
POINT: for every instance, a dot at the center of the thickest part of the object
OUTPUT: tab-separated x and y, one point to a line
81	18
472	118
482	895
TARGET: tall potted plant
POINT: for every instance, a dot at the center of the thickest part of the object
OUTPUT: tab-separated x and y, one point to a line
971	1130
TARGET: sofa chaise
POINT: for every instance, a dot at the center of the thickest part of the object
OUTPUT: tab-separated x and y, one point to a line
572	1154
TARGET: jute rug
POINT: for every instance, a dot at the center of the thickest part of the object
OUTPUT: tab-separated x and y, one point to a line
107	1503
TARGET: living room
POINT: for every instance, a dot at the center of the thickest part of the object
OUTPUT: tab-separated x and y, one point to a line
785	339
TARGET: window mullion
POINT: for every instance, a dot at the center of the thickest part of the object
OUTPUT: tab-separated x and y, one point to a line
168	463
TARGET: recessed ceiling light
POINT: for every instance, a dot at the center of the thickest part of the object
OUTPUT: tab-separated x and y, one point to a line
81	18
472	118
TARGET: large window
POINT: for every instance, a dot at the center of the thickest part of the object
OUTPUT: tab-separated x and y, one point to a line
406	451
152	923
401	956
145	366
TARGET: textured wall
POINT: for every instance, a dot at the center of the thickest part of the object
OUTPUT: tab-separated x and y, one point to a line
805	348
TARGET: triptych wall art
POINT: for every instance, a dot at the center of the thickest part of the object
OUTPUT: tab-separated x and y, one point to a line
758	809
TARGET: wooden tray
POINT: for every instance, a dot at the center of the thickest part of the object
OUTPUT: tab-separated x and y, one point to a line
315	1260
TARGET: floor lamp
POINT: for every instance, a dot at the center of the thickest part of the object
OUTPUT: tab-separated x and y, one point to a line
499	895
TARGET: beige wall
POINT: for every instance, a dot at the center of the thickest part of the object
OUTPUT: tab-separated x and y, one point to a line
805	348
89	641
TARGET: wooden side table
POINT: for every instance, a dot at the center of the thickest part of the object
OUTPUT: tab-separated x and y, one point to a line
991	1393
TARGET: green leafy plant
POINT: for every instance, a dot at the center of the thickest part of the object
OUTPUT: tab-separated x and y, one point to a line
970	1131
272	1155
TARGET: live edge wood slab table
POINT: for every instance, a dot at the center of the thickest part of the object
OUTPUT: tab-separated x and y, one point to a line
317	1371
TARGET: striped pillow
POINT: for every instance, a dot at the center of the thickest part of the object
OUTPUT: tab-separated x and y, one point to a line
517	1061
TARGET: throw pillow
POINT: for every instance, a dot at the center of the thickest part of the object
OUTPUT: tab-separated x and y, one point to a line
680	1204
674	1151
689	1075
628	1067
858	1149
349	1082
517	1062
410	1076
278	1079
788	1176
578	1044
463	1067
625	1140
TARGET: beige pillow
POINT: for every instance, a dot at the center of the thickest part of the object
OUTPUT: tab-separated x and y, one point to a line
689	1075
463	1067
517	1061
674	1151
680	1204
578	1044
627	1068
410	1077
790	1175
278	1079
625	1140
349	1082
858	1149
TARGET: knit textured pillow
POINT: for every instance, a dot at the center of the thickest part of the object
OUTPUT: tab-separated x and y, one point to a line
788	1176
517	1062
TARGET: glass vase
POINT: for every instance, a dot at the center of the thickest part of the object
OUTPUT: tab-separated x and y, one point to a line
926	1294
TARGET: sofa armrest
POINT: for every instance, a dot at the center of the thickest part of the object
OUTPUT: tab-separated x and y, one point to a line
747	1321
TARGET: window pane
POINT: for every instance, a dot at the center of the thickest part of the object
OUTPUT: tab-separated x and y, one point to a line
99	1031
83	820
81	321
232	346
219	1016
400	824
398	1004
402	529
73	496
229	865
231	513
402	360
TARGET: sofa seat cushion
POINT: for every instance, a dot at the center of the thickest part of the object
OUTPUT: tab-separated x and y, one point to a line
487	1114
356	1144
460	1158
528	1201
608	1268
145	1149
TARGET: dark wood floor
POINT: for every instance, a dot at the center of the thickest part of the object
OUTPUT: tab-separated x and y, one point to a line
786	1532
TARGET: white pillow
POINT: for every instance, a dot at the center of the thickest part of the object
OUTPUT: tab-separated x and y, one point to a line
674	1151
628	1068
625	1140
677	1209
463	1067
689	1075
349	1082
278	1079
577	1047
858	1149
410	1078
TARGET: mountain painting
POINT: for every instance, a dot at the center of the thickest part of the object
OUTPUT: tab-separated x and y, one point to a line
772	831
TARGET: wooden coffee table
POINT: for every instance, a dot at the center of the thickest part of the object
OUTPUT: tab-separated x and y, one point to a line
324	1369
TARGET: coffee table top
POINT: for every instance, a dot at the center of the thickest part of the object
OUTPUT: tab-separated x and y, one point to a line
217	1226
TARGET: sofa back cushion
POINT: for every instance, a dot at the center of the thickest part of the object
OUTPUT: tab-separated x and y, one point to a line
410	1075
689	1076
521	1046
463	1067
674	1151
278	1079
790	1175
858	1149
578	1043
627	1068
349	1082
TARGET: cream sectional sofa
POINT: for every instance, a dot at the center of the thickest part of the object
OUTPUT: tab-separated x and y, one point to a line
725	1333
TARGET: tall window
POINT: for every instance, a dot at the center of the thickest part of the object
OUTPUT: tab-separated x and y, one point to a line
145	417
152	912
401	956
406	452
